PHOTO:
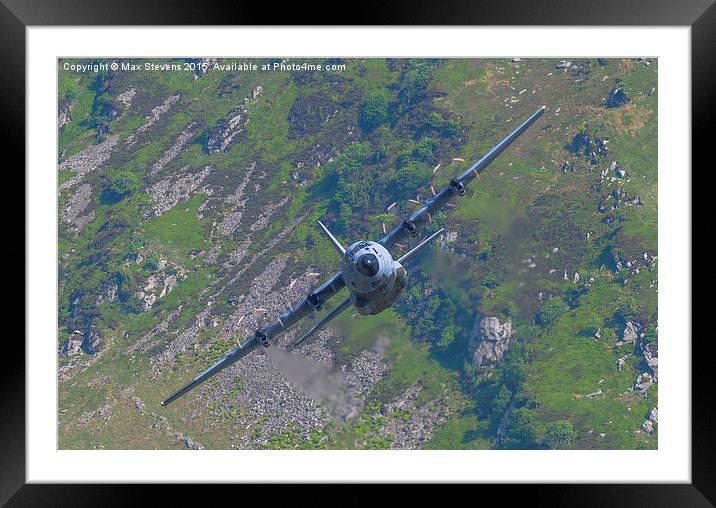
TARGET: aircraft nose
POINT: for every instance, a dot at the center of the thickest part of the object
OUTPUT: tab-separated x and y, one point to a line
368	265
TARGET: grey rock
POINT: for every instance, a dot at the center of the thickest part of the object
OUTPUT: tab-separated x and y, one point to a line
73	345
266	214
87	161
93	340
631	332
651	357
648	426
63	116
155	115
125	98
446	239
169	283
177	148
232	220
226	130
203	65
643	382
489	340
175	188
77	204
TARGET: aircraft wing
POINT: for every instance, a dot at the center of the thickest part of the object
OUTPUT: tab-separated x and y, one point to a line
456	187
341	307
313	302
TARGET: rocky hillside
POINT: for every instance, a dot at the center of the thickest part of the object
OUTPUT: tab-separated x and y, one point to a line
188	200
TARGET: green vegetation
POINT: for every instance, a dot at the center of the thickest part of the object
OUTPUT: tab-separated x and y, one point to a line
551	311
121	185
178	230
374	110
560	434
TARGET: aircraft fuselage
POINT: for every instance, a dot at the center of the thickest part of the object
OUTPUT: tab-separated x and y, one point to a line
374	279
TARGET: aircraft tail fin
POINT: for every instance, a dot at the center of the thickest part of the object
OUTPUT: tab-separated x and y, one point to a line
336	244
418	247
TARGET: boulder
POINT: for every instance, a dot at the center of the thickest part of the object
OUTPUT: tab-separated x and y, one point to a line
647	426
489	340
169	283
643	382
191	444
227	129
651	418
650	351
63	117
631	332
654	415
620	363
93	340
73	345
588	145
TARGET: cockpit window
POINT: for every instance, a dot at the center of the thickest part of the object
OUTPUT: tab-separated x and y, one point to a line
368	265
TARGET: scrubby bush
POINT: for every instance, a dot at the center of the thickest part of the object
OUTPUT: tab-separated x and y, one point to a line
560	434
409	179
121	185
650	334
551	310
434	121
374	111
103	111
423	151
500	402
489	281
626	310
452	128
521	430
71	94
528	332
513	369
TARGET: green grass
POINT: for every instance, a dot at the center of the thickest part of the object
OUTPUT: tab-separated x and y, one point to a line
567	365
179	229
465	431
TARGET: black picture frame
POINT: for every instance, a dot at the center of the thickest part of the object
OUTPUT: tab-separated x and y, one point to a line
700	15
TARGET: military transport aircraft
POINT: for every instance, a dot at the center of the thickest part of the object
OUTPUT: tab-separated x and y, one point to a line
373	277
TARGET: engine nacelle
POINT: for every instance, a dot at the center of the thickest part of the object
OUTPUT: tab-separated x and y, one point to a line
314	301
410	226
458	186
262	338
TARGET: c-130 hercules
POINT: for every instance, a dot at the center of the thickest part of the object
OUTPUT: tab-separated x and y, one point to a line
374	279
